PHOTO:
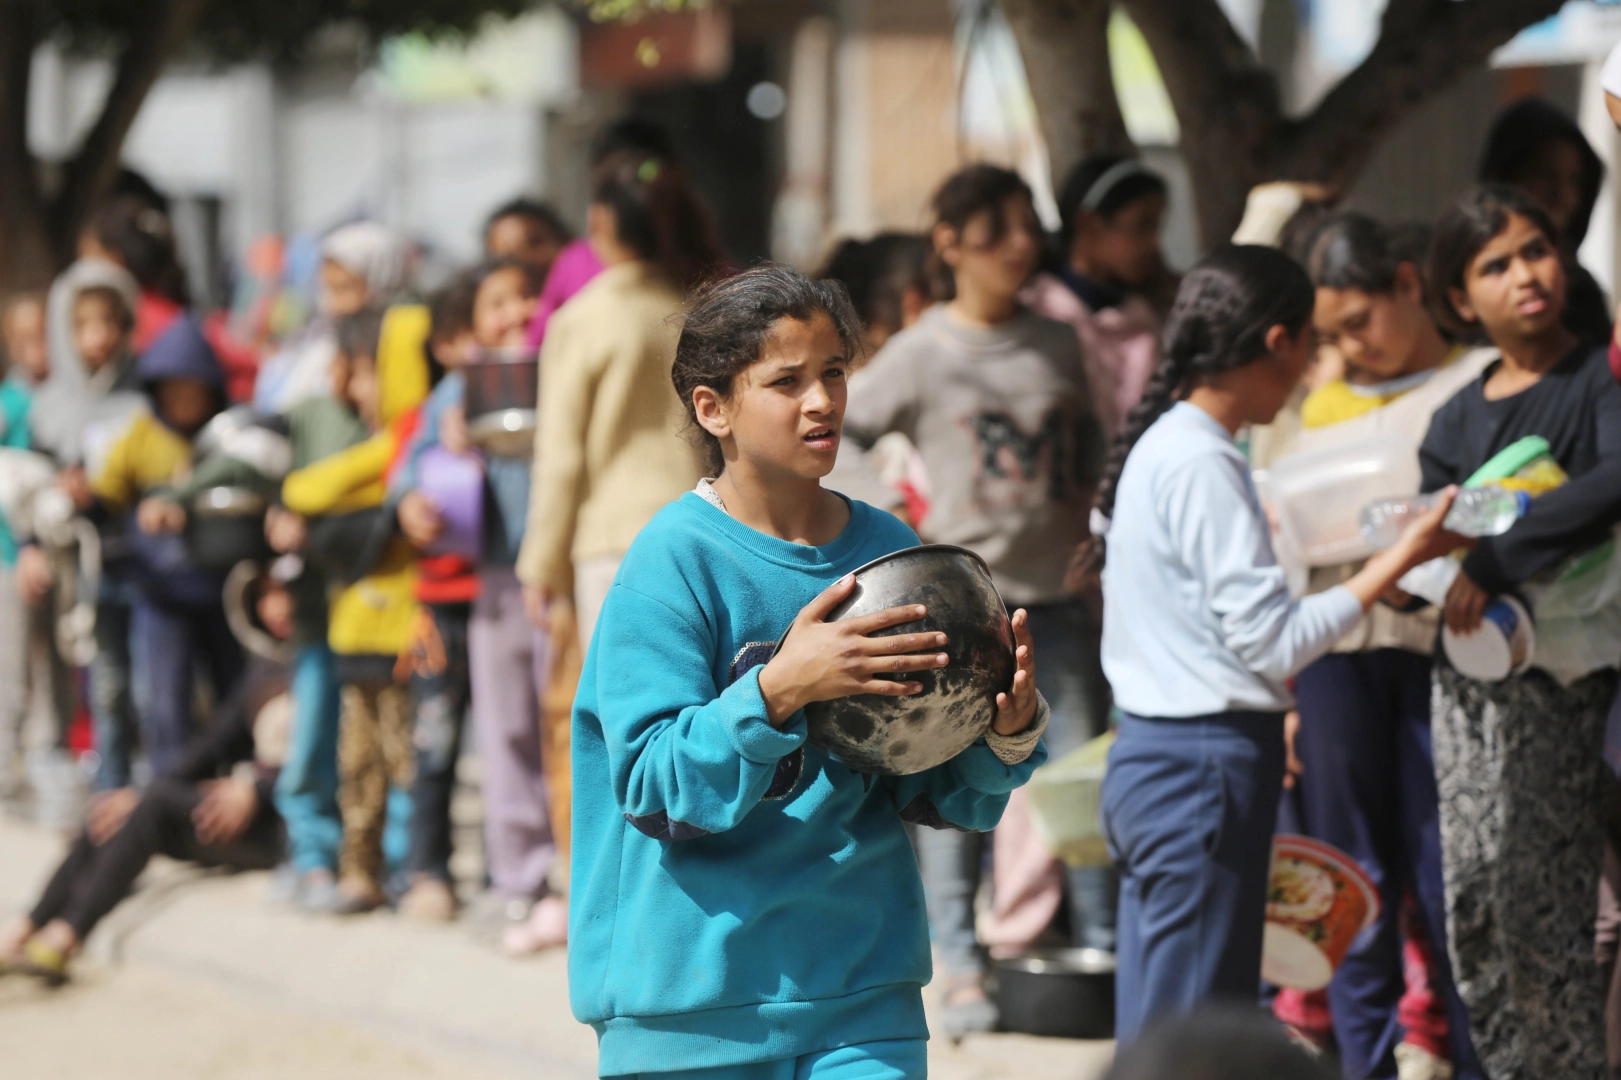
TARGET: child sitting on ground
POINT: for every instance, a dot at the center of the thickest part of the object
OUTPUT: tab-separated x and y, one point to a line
211	807
744	905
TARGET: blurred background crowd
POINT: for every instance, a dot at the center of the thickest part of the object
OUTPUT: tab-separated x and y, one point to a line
329	416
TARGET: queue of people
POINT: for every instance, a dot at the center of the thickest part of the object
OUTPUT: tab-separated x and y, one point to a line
628	537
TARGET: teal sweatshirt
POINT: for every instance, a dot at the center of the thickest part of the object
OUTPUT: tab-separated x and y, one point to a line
738	895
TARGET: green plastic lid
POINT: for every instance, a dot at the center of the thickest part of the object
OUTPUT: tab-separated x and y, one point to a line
1510	460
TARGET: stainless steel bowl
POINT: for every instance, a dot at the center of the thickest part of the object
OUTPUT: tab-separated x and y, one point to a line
504	433
226	526
502	389
1067	993
900	735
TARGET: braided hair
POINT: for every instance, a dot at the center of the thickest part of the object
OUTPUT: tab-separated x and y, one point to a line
1224	309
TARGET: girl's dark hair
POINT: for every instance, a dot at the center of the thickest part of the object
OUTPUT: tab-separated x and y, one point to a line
878	272
141	237
1353	251
1108	182
659	215
1466	227
533	280
358	334
113	299
450	309
1224	309
533	209
967	192
727	327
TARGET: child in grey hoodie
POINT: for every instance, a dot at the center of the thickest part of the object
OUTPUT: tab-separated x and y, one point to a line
995	398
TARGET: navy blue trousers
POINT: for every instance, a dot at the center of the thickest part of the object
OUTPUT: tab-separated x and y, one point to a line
168	642
1369	789
1190	806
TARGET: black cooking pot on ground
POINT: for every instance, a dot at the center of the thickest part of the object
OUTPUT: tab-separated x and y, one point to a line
500	403
225	526
1067	993
902	735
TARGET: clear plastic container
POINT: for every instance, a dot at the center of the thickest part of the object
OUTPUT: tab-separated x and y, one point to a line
1317	496
1481	511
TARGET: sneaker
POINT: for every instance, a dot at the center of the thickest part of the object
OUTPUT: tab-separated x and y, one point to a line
317	893
428	900
357	895
546	928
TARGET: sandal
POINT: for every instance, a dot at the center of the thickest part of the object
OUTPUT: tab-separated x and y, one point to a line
965	1008
45	962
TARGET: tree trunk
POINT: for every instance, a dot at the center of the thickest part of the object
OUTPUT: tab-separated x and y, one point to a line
1227	105
1065	46
1234	132
91	171
26	260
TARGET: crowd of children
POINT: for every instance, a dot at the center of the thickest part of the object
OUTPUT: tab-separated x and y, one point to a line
605	477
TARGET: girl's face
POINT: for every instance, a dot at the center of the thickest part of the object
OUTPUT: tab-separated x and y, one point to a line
1268	382
1377	334
502	309
343	292
361	390
1123	248
997	266
1515	286
519	236
786	410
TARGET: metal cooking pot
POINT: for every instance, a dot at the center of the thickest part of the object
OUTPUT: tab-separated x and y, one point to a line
225	526
901	735
502	389
1067	993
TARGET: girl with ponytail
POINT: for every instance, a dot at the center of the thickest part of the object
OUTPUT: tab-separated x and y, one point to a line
1201	636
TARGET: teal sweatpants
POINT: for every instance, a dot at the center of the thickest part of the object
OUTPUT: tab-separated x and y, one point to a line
894	1059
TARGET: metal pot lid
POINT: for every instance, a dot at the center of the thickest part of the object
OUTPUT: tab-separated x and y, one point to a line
1058	962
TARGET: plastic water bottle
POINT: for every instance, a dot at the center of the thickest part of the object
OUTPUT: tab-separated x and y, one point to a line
1481	511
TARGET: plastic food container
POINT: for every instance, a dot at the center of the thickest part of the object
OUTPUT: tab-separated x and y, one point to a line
1524	465
1066	799
1317	496
1317	902
1503	644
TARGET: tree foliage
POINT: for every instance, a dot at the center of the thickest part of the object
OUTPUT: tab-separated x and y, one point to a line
42	211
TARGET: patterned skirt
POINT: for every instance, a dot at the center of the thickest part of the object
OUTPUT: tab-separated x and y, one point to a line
1521	779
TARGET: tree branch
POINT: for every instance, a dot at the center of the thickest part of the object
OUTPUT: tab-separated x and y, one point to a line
91	170
1424	46
1065	45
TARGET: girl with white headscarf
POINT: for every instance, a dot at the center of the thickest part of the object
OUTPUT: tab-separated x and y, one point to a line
363	265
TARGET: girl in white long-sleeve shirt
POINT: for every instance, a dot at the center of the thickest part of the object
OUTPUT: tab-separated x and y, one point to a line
1201	636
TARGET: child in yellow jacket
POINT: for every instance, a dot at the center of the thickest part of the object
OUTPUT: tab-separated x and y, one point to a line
382	371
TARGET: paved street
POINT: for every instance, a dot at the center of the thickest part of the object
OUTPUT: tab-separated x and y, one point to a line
197	977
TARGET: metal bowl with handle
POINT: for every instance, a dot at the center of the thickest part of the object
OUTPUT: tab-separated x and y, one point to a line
502	389
225	526
901	735
1068	993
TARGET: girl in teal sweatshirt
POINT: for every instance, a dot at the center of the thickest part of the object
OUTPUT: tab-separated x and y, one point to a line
745	907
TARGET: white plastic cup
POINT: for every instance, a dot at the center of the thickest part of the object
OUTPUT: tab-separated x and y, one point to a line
1502	645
